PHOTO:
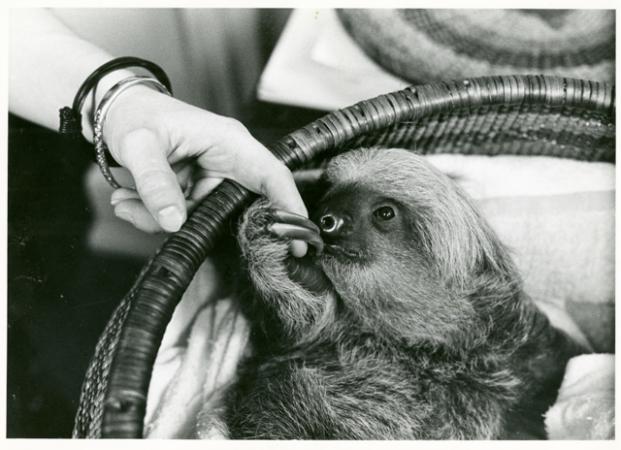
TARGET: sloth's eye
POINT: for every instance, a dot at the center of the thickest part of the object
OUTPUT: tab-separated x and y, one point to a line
384	213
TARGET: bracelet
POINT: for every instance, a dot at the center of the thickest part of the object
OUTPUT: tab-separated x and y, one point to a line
71	117
100	117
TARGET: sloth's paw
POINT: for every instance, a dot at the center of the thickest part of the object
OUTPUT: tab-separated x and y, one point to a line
265	234
262	223
303	271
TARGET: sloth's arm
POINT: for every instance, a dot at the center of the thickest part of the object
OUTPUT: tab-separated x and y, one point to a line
294	288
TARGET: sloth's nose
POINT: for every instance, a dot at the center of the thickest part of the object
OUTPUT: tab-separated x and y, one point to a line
333	226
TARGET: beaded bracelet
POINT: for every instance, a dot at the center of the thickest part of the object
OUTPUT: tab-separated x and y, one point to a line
100	117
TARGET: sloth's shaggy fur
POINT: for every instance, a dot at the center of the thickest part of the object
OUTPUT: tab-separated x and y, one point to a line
422	332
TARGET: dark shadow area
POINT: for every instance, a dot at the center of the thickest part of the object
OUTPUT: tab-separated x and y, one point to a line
59	293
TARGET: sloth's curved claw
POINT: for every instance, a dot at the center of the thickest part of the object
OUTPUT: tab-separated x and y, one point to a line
294	226
282	216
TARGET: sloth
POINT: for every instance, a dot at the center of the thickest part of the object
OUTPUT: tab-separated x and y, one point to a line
407	318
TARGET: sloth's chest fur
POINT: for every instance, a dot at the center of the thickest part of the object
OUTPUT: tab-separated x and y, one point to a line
331	392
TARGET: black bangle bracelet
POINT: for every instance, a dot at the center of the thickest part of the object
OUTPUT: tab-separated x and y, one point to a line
71	117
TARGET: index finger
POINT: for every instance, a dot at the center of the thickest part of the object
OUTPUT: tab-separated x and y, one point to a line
281	189
265	174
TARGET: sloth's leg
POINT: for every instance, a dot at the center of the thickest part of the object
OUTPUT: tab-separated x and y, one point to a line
296	288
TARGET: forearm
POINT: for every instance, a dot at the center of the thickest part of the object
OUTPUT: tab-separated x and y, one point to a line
47	65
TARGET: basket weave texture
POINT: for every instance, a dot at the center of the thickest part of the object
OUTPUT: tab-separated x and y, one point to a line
517	115
430	44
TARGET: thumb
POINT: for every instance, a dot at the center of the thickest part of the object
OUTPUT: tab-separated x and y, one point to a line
143	155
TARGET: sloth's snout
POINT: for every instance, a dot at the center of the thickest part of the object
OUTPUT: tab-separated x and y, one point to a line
334	226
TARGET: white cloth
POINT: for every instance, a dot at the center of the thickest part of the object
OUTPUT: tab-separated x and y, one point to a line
585	407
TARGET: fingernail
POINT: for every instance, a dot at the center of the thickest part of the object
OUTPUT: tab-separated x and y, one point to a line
170	218
124	215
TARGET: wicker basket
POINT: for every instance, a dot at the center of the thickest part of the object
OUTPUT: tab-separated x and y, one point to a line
523	115
421	45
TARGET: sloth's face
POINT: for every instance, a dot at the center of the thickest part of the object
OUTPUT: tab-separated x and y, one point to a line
374	258
358	224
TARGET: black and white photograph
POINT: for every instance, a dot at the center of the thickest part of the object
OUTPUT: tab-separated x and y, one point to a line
307	222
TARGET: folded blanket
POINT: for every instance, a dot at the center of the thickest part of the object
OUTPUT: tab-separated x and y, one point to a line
199	373
585	407
198	356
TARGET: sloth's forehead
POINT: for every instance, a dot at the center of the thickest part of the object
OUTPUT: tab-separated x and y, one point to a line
367	164
409	181
351	193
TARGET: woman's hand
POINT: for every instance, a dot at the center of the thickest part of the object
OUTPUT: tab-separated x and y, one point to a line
166	144
178	153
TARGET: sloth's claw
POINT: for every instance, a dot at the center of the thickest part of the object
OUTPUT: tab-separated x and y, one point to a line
303	271
293	226
283	216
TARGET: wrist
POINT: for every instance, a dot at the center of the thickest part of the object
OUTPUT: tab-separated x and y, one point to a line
95	96
133	109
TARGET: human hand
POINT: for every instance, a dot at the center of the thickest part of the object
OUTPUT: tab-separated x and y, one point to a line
168	145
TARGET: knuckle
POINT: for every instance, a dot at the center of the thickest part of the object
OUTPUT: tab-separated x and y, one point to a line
233	125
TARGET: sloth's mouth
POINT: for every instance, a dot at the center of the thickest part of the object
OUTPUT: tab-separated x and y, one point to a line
340	251
308	273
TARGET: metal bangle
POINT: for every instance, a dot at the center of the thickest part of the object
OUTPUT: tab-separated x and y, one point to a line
71	117
102	111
